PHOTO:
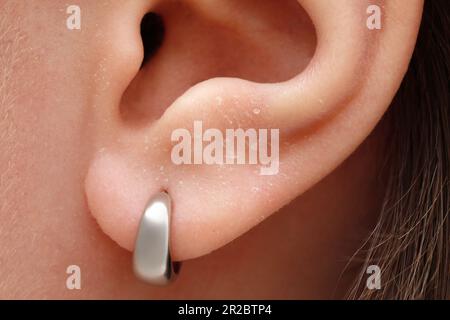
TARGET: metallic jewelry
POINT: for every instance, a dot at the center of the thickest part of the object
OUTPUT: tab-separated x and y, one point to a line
152	262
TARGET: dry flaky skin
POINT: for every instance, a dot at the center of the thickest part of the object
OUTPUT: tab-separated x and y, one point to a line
11	59
13	56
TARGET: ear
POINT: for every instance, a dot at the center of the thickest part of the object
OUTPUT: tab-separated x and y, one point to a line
343	76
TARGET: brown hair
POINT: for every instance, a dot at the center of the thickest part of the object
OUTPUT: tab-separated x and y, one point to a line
411	240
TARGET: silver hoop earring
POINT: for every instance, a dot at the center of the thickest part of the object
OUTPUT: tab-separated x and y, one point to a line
152	262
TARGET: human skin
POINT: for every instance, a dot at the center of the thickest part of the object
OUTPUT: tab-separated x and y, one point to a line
75	112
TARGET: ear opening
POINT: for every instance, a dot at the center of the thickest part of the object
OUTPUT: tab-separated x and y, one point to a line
152	34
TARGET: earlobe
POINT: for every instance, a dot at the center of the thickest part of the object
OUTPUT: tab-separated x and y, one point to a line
322	115
117	192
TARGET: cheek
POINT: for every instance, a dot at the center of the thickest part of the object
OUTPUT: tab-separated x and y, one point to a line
44	93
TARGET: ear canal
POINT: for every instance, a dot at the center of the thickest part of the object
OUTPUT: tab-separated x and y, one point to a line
152	33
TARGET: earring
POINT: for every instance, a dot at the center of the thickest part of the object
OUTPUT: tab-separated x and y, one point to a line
152	262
